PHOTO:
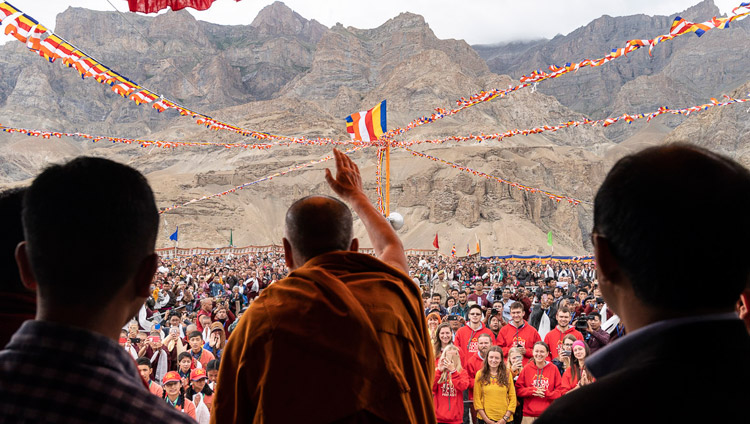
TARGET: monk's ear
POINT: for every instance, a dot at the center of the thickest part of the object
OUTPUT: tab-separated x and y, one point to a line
355	245
288	255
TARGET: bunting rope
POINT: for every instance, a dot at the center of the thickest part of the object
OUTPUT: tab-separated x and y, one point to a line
629	118
571	124
260	180
521	187
379	180
172	144
27	30
679	27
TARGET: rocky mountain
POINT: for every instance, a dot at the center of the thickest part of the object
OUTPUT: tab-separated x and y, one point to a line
680	73
288	75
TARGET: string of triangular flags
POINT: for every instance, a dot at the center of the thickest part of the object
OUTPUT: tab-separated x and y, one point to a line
572	124
52	47
46	134
679	27
629	118
27	30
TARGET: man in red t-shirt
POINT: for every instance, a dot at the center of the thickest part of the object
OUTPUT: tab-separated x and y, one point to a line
467	336
518	333
554	338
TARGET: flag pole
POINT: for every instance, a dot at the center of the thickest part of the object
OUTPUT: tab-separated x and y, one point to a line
388	178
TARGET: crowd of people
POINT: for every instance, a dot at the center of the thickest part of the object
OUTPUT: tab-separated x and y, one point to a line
322	333
532	314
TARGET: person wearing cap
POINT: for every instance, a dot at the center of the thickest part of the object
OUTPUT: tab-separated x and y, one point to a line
174	394
349	323
199	387
455	322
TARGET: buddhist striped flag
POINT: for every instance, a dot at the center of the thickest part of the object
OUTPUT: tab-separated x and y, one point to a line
367	125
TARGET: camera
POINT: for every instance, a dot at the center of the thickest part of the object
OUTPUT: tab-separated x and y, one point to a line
582	324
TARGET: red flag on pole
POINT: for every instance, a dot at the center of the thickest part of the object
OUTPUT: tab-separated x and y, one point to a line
435	243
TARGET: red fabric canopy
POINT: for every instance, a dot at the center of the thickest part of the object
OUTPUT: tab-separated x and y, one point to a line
153	6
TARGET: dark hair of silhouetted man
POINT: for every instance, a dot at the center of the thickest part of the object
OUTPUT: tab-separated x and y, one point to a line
317	225
667	213
88	224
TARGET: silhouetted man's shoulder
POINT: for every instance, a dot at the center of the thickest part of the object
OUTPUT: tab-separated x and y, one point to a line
673	375
55	373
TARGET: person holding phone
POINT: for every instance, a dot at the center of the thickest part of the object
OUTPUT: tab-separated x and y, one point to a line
515	364
563	359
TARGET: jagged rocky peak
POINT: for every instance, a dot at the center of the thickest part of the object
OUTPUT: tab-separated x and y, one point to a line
166	25
278	19
405	21
702	11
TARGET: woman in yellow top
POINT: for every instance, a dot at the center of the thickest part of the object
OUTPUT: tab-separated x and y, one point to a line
494	391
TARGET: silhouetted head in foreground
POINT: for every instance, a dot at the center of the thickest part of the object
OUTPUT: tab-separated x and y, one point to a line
90	228
317	225
672	230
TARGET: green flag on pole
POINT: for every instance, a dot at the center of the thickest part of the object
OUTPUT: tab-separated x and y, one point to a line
231	243
549	238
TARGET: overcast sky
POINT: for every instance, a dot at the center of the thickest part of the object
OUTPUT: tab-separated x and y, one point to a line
476	21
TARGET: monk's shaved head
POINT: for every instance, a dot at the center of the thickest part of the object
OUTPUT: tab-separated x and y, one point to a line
317	225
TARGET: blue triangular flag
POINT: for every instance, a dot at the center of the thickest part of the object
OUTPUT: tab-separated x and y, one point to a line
174	235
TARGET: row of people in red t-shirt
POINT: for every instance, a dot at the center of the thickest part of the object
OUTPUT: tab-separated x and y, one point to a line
537	381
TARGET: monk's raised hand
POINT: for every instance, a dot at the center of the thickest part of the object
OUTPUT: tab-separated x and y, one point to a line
348	181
